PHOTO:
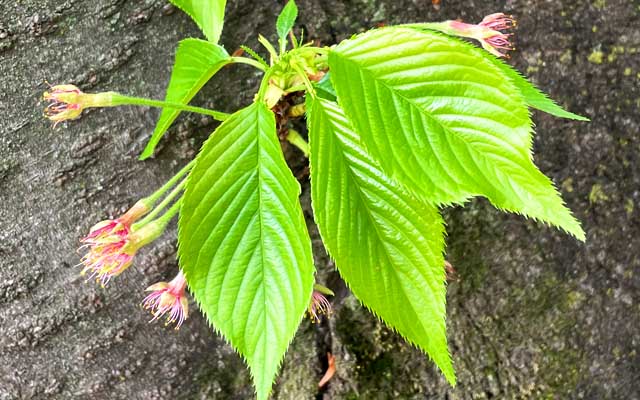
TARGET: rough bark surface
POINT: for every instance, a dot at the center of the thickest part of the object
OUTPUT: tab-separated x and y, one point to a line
534	313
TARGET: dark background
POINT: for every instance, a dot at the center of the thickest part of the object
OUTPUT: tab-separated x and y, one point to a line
535	314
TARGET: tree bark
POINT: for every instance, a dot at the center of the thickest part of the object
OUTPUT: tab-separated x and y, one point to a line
533	314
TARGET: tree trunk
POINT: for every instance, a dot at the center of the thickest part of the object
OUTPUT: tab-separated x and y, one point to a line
533	314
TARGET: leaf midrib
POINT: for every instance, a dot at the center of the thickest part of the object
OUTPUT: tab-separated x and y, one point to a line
369	212
261	222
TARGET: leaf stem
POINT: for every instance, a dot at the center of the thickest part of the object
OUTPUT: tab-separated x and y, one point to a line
264	85
120	99
249	61
305	79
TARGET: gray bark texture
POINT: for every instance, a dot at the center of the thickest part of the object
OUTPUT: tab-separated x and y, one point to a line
533	313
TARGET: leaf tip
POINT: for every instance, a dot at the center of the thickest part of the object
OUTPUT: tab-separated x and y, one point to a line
579	234
579	117
562	113
446	367
451	379
574	228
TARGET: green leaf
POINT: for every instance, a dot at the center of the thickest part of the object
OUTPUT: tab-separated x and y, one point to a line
533	96
243	242
387	244
285	22
444	121
196	62
207	14
325	88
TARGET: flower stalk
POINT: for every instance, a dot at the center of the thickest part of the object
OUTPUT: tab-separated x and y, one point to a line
66	102
165	202
122	100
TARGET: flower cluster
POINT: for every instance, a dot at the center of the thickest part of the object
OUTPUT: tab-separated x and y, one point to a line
111	246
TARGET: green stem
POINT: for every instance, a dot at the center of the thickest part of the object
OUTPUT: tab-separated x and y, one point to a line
297	88
153	199
166	217
295	139
249	61
165	202
120	99
310	90
283	46
437	26
264	85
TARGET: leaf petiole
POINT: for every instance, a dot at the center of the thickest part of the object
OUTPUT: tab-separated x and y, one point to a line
273	54
250	61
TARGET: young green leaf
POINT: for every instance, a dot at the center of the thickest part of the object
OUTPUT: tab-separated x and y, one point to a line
207	14
444	121
196	62
243	242
325	88
285	22
533	96
387	244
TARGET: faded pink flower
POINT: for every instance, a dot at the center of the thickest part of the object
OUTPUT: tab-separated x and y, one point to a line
170	299
111	245
319	305
489	32
109	255
66	102
108	230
